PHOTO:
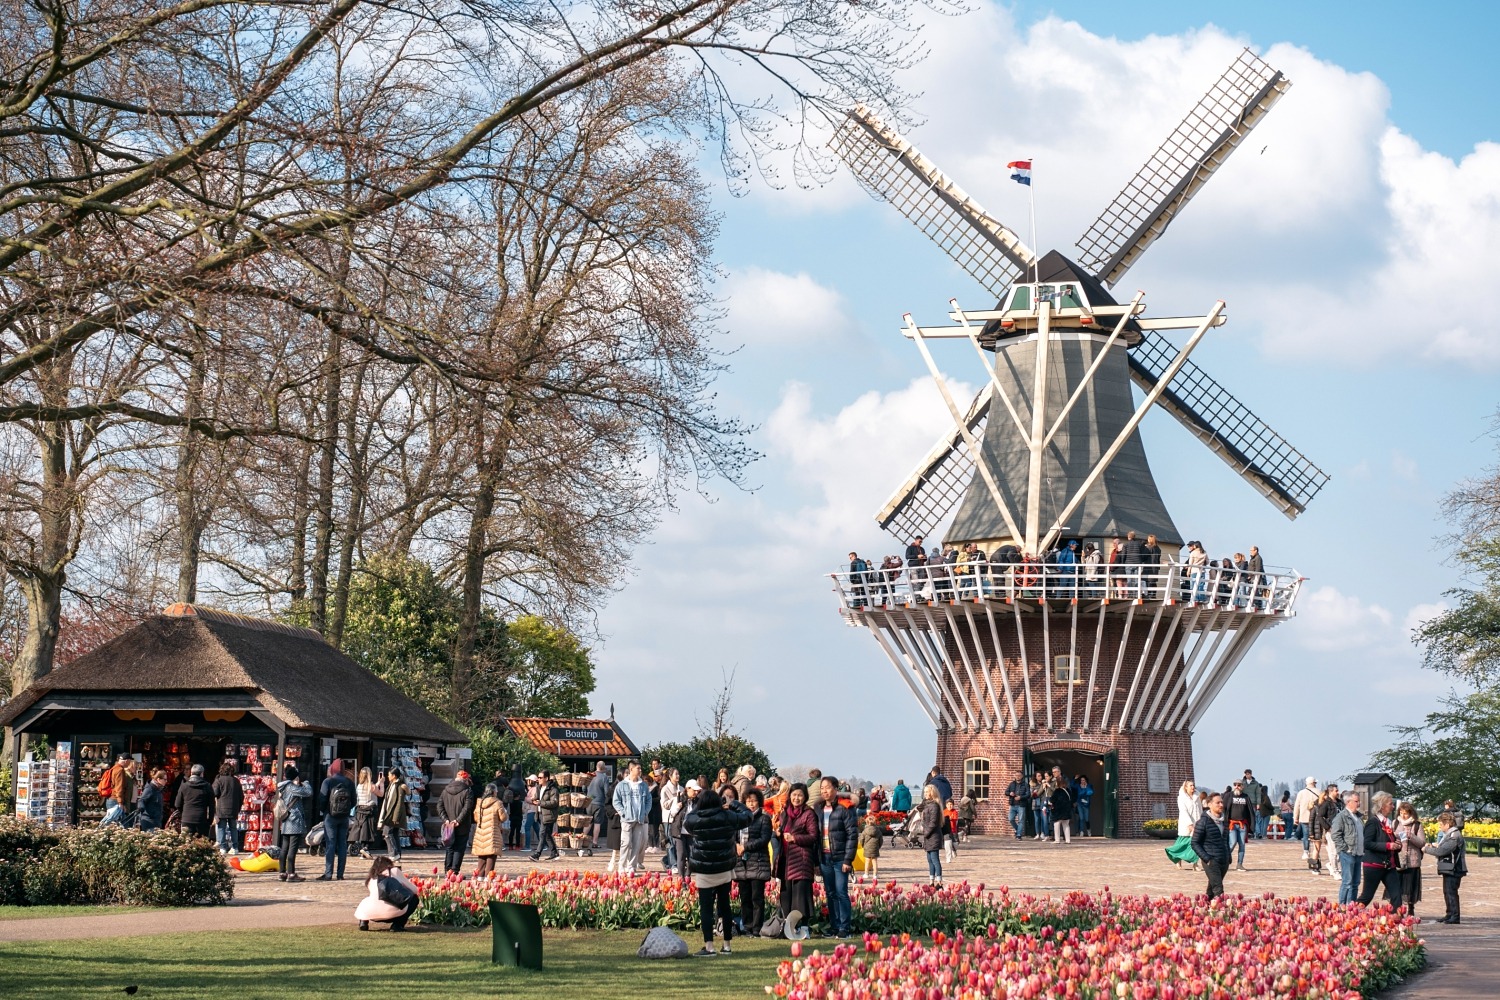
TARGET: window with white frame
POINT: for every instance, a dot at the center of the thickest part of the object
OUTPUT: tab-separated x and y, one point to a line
1066	670
977	778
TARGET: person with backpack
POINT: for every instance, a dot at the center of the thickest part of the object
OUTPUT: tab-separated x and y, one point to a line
291	820
229	798
339	797
117	789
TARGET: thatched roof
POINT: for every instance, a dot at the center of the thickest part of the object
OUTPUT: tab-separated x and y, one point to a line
292	671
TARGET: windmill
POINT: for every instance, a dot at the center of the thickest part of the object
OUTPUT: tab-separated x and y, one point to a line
1012	663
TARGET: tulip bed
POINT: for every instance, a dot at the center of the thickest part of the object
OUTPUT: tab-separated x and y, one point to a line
1178	948
588	900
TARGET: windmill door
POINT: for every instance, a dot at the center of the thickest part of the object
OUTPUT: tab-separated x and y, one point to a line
1111	793
1028	768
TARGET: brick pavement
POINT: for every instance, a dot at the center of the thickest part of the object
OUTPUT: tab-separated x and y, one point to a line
1465	960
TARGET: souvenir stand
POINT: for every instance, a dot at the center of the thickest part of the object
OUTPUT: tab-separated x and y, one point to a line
579	744
93	760
195	685
44	787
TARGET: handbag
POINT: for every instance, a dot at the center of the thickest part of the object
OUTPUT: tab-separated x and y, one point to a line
448	827
394	892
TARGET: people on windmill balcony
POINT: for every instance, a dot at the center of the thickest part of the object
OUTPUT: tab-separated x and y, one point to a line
1197	561
916	561
858	569
1115	572
1065	568
1257	570
1133	554
1152	567
1092	571
890	573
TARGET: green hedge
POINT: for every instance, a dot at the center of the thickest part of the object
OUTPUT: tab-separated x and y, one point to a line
44	867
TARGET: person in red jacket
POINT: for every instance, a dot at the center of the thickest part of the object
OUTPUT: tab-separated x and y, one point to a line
798	860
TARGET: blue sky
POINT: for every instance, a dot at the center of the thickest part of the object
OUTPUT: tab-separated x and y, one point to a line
1351	239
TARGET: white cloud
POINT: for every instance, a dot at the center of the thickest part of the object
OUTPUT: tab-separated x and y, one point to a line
1332	235
1331	621
769	307
1420	615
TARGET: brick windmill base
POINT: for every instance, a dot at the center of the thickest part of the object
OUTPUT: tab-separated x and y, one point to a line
1110	688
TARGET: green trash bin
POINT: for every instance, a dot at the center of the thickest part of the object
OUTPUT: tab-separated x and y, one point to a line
517	931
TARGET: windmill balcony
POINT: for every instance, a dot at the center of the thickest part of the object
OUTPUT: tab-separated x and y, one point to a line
1271	593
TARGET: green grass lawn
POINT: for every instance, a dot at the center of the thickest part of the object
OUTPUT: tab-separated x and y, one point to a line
343	962
38	912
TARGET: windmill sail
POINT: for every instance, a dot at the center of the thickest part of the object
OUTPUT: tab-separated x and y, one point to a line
1140	213
891	168
938	483
1262	457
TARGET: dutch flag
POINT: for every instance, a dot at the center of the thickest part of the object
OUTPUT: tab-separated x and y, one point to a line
1020	171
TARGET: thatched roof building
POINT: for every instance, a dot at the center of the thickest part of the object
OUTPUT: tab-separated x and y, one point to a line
198	659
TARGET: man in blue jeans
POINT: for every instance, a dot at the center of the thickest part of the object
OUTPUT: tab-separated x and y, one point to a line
838	831
1241	816
337	796
1347	831
1018	794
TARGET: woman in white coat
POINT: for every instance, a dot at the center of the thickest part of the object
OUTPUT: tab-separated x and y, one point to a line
392	897
1189	810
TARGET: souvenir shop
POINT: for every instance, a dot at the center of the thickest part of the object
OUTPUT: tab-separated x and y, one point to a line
199	686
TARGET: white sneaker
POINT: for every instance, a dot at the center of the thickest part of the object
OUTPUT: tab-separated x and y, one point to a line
1304	855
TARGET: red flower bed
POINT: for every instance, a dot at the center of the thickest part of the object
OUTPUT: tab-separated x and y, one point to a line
1181	948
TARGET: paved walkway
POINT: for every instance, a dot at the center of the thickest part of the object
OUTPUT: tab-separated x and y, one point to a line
1465	960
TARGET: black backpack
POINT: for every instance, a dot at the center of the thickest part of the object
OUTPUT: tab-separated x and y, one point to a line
340	799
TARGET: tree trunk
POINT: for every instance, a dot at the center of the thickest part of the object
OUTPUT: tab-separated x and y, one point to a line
190	519
327	454
357	448
41	579
476	552
296	576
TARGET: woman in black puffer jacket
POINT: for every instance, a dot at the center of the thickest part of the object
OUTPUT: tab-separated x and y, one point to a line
714	829
753	869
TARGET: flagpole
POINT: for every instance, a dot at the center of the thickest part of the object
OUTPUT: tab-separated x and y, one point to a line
1031	203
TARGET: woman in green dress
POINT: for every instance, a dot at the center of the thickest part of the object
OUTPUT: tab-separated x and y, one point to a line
1188	812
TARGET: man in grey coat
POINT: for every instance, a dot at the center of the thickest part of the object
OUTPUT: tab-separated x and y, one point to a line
1347	831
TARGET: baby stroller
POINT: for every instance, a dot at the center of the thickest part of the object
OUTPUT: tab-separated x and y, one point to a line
910	834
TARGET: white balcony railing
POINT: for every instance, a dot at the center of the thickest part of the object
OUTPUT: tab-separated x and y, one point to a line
1272	591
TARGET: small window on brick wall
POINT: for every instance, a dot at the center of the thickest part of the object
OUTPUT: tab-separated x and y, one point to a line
977	778
1066	670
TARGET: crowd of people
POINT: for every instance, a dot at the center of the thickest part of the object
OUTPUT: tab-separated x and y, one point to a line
1121	568
1379	852
747	828
742	827
1054	803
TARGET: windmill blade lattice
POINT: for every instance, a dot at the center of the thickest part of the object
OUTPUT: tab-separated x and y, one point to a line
1261	456
1234	105
891	168
938	483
